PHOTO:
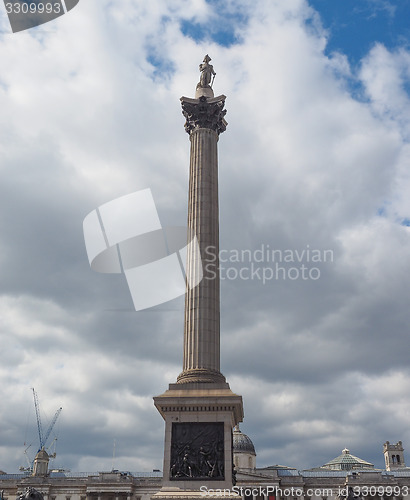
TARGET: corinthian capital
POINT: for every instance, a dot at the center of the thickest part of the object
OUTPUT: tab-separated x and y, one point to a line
204	113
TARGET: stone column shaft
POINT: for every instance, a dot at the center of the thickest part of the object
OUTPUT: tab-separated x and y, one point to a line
202	303
201	334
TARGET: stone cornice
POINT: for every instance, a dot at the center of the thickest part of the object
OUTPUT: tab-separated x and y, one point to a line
204	113
200	401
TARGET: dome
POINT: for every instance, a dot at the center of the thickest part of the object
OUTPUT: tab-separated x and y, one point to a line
347	461
241	442
42	455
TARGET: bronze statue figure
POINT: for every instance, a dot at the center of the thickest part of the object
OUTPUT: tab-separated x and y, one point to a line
207	74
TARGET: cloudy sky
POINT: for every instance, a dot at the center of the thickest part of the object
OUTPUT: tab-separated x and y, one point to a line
316	157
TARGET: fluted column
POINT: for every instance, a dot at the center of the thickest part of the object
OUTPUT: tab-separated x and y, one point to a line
205	121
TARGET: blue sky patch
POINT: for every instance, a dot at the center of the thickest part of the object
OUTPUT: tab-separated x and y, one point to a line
222	28
224	36
354	26
162	66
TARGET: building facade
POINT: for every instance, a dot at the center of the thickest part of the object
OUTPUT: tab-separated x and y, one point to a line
346	476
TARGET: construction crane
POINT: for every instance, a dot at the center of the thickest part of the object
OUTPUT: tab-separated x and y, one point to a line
29	467
43	436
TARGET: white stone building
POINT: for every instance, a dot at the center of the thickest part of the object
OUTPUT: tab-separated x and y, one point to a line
345	475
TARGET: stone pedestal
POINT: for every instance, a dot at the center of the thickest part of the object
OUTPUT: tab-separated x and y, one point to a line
178	494
199	419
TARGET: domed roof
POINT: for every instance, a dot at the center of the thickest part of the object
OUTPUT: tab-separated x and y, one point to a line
42	455
346	461
241	442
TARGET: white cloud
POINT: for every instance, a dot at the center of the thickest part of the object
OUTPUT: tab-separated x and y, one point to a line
385	75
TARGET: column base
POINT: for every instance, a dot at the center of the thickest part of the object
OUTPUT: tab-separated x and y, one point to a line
178	494
200	375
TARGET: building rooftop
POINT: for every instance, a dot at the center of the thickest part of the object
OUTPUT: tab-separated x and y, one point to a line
241	442
347	461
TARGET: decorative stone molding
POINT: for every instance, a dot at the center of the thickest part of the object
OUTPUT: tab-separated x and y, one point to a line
200	375
204	113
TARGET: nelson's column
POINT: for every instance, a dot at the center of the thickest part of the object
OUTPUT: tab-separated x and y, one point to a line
200	410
